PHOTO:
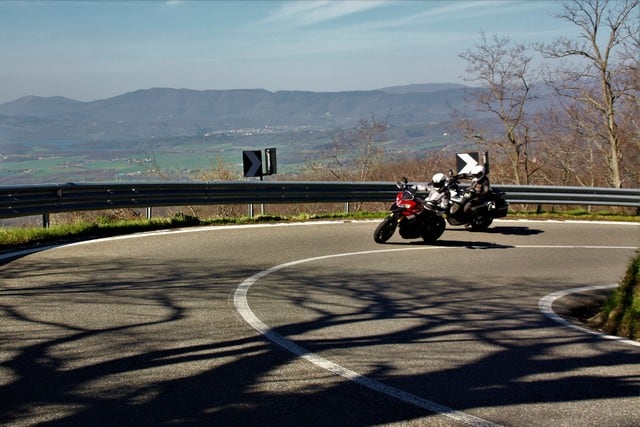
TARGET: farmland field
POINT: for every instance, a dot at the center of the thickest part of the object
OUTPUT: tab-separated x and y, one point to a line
180	158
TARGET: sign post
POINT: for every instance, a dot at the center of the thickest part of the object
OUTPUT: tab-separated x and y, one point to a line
252	165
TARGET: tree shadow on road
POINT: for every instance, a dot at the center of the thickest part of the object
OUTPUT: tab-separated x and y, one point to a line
160	344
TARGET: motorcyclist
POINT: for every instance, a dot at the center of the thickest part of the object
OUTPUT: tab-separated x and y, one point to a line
479	187
438	197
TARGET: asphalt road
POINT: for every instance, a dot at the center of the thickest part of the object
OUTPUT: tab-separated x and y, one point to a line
316	325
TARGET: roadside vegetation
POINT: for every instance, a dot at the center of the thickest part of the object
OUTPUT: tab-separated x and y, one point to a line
77	226
90	225
620	314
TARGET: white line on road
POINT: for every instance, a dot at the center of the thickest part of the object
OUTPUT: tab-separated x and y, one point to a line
546	307
242	306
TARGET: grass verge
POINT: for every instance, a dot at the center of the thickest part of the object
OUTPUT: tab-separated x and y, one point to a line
20	237
620	314
13	237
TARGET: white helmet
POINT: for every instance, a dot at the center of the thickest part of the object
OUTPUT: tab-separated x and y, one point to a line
477	171
438	180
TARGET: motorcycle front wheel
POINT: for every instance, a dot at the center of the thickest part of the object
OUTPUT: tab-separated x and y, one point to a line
385	229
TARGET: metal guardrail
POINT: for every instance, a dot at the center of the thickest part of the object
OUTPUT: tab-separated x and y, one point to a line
552	195
44	199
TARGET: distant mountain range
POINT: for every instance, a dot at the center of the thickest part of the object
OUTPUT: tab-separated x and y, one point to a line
165	112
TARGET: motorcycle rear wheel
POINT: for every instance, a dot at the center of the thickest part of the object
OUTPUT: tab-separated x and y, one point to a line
434	229
480	224
385	230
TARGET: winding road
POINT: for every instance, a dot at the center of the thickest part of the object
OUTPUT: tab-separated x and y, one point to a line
314	324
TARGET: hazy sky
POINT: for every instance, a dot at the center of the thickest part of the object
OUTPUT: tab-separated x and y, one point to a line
88	50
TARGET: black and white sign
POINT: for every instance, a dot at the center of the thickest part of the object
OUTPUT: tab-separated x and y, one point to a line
252	163
466	161
271	162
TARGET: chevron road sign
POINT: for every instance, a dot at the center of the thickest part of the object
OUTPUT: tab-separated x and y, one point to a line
252	163
465	162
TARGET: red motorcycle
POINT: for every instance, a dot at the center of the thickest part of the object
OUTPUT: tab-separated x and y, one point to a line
409	215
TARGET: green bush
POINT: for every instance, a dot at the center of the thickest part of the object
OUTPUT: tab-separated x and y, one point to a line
620	314
181	219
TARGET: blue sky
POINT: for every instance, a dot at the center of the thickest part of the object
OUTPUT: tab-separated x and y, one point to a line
88	50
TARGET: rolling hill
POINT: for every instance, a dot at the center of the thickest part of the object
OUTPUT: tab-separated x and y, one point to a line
182	131
180	112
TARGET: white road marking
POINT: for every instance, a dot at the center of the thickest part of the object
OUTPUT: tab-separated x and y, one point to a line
242	306
199	229
546	307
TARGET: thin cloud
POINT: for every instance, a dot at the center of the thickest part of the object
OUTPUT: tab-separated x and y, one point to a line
306	13
448	11
172	3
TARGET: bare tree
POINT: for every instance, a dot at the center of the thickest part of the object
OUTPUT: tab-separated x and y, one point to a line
417	168
504	71
219	172
630	106
599	76
354	153
559	161
368	136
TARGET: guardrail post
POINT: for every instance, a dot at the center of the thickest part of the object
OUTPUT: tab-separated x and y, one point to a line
148	212
45	220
